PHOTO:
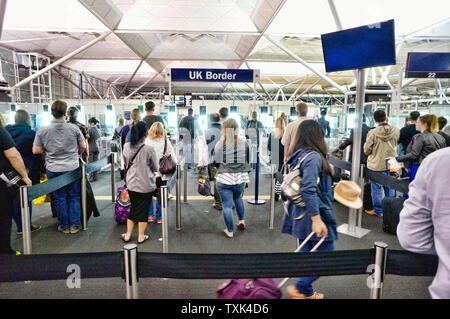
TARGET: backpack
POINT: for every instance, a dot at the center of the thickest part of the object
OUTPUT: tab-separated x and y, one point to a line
204	187
264	288
122	205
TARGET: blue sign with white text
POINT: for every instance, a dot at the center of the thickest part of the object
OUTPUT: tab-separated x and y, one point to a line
212	75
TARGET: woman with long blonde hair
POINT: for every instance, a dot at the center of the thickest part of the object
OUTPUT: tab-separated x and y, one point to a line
231	153
275	146
158	140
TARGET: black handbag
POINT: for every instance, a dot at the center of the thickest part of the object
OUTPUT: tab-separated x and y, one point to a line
166	163
13	181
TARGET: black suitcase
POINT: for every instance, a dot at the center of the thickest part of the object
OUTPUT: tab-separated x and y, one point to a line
367	199
392	206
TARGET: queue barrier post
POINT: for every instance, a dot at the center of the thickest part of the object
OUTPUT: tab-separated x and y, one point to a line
25	214
256	201
113	181
361	185
178	198
83	195
185	177
165	221
272	197
376	289
130	267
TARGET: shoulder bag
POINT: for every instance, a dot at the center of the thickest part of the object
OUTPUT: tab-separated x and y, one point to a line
166	163
125	171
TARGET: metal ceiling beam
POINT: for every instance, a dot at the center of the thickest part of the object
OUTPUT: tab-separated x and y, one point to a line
93	87
72	82
2	15
337	20
131	78
307	90
62	60
168	31
305	64
298	88
143	84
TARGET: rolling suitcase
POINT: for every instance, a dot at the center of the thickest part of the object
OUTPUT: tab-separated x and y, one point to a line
264	288
392	206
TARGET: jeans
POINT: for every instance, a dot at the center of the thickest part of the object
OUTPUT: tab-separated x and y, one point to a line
17	213
188	152
158	206
304	284
67	202
412	175
5	220
377	197
230	194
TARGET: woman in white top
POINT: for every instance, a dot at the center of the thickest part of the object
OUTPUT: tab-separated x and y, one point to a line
157	139
231	152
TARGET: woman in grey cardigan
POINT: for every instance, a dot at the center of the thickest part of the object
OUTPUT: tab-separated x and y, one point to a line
422	144
232	155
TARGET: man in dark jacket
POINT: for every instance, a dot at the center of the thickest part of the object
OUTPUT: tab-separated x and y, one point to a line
442	121
187	131
349	141
23	136
407	132
213	135
149	118
324	123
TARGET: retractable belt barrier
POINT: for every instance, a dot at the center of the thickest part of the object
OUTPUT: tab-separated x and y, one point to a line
214	266
377	177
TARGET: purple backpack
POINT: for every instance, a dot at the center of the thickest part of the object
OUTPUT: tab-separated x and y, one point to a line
265	288
123	205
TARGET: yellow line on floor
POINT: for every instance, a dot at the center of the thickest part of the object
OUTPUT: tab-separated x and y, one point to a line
100	198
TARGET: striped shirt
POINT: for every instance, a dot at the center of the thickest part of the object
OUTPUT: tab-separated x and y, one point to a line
232	178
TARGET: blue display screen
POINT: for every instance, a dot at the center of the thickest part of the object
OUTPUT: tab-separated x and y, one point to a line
428	65
362	47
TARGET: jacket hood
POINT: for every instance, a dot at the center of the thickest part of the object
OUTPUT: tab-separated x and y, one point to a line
17	131
385	132
297	155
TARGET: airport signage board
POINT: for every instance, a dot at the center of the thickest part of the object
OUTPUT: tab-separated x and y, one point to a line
428	65
212	75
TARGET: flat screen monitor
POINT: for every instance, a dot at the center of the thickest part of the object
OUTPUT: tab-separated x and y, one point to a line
264	109
428	65
202	110
179	100
45	107
168	99
188	100
361	47
293	112
233	109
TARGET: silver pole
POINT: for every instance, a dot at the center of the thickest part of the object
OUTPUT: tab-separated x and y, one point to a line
163	200
357	135
185	180
131	277
178	198
376	290
361	184
26	227
83	195
113	181
272	198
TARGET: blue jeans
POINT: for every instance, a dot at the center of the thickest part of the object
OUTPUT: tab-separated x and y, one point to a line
377	197
230	194
304	284
158	206
67	202
412	175
17	213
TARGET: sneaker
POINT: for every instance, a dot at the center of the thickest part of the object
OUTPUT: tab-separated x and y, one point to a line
370	212
64	231
215	206
33	228
75	229
151	219
295	294
159	221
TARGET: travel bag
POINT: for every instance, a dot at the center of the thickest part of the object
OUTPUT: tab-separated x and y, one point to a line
392	206
122	205
263	288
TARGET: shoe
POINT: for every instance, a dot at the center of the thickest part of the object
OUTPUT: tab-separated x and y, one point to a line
33	228
123	238
75	229
227	233
159	221
295	294
64	231
145	238
241	226
217	207
370	212
151	219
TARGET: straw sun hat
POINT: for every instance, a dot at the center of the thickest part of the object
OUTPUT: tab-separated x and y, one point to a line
347	193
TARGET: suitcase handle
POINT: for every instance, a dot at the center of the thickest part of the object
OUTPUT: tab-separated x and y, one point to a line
281	284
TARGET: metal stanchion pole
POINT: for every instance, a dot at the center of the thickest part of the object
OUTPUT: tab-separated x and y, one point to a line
376	289
178	198
272	197
83	195
131	276
26	227
185	177
113	181
361	185
163	200
256	201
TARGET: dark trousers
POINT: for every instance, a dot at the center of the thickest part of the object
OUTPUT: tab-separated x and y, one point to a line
6	214
217	199
93	157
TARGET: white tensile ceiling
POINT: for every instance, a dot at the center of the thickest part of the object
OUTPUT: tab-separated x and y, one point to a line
216	34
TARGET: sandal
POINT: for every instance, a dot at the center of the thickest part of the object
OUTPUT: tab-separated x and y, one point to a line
145	238
227	233
123	238
241	226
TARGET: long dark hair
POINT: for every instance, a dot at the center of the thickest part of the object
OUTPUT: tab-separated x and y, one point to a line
138	132
309	136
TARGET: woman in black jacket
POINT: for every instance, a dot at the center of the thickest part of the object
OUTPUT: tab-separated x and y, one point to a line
422	144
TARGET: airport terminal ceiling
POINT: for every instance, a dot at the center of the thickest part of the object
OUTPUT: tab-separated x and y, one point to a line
145	37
